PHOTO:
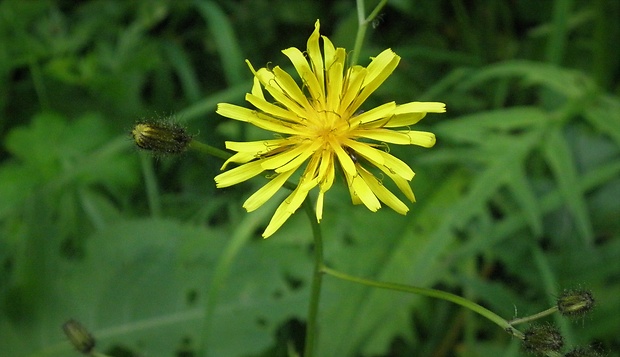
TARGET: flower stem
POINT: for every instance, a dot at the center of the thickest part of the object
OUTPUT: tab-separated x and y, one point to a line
363	22
490	315
209	150
317	277
521	320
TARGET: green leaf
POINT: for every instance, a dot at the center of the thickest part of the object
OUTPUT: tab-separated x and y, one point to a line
385	247
569	83
558	155
143	284
222	31
503	141
604	114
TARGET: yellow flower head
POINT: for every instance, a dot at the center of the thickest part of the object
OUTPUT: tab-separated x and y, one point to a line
321	124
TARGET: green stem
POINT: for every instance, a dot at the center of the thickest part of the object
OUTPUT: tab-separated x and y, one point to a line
317	278
375	11
150	183
209	150
490	315
537	316
559	36
362	26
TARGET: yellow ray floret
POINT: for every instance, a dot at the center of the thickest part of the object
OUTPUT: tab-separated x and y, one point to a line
318	126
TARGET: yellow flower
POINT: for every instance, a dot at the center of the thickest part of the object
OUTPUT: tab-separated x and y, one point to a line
322	123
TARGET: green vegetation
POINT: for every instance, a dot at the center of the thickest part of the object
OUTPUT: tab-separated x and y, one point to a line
518	201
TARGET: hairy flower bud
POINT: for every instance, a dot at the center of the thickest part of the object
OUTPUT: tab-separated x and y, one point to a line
583	352
79	336
541	339
161	137
575	302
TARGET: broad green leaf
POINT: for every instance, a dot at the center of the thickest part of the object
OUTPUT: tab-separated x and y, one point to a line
140	288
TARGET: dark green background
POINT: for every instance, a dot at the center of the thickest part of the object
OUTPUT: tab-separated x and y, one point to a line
519	199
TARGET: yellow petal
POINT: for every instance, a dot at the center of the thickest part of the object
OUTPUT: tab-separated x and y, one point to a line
381	67
409	137
392	164
270	124
271	109
285	100
314	53
343	157
330	52
420	107
401	120
368	152
284	211
364	193
261	196
280	159
255	118
384	135
383	193
380	112
378	71
401	183
354	198
257	147
305	73
239	158
352	87
306	152
326	173
334	87
235	112
257	90
290	88
238	174
397	166
421	138
302	191
264	75
319	206
280	216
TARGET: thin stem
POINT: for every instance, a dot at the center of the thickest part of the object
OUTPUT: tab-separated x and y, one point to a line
559	36
150	183
537	316
317	278
490	315
375	11
209	150
361	32
363	22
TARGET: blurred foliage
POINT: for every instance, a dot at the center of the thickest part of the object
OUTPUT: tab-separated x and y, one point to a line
518	200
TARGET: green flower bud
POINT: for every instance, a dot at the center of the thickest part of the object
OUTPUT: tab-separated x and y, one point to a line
541	339
583	352
161	137
577	302
79	336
